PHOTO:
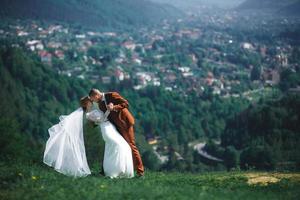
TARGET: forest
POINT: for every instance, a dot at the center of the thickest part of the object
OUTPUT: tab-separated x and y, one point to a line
261	135
101	14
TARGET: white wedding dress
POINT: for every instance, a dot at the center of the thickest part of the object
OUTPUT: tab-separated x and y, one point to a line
65	149
117	160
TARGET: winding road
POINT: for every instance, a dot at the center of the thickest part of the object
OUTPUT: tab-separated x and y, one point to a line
200	149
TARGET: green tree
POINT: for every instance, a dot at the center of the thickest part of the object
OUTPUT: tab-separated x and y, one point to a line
150	160
231	157
259	157
256	73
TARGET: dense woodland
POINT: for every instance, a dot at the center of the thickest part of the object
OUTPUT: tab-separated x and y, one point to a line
251	124
264	136
267	133
100	14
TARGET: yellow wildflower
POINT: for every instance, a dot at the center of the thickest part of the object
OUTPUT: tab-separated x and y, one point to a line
102	186
262	180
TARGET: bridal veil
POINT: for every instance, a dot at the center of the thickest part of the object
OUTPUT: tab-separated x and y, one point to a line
65	150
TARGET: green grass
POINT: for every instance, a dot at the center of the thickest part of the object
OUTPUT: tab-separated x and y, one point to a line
22	181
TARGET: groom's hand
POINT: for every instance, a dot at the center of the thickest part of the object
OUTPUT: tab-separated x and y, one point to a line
110	107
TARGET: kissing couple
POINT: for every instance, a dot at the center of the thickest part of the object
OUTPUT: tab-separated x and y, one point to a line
65	150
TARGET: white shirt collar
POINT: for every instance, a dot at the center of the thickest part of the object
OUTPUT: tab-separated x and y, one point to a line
103	96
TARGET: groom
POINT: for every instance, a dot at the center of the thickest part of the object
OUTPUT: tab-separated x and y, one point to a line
121	118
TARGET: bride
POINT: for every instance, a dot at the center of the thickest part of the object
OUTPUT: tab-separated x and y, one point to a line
65	149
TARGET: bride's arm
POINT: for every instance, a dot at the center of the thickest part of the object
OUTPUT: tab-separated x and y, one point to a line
91	117
102	117
96	116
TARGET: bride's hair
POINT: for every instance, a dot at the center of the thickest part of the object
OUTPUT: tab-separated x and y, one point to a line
84	101
93	92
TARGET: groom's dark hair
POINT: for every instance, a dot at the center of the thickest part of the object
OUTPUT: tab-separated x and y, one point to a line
93	92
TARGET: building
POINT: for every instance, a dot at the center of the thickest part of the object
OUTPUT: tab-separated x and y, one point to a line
247	46
45	57
106	79
59	54
119	74
271	77
129	45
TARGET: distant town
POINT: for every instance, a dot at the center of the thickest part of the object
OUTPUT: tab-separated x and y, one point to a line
196	54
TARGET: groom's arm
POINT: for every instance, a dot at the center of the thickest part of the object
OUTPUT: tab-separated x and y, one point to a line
119	102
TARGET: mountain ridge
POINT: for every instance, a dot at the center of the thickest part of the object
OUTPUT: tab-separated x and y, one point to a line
90	13
288	8
292	9
265	4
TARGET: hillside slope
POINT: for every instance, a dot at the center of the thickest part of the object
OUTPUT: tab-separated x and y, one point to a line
188	4
265	4
291	10
267	133
91	13
41	182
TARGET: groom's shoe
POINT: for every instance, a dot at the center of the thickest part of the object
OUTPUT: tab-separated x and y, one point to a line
140	176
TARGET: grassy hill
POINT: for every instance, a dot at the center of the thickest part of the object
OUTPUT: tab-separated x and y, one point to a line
90	13
37	181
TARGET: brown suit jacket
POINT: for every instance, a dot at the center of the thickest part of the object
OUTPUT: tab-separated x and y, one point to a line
120	117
